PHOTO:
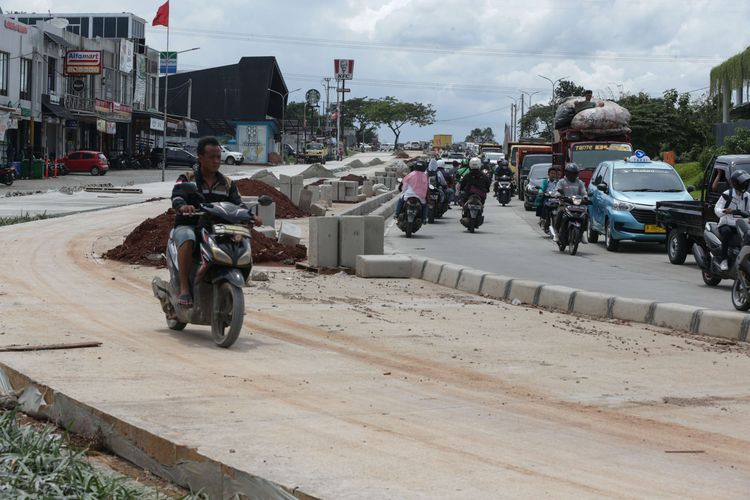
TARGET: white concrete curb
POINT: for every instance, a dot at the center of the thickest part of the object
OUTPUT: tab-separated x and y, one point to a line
725	324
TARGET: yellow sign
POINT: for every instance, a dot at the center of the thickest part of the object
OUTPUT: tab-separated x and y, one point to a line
602	147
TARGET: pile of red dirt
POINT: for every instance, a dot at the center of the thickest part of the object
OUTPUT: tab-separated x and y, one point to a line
402	154
357	178
147	242
285	209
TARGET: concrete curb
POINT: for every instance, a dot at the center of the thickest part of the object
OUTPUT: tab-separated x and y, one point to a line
368	206
714	323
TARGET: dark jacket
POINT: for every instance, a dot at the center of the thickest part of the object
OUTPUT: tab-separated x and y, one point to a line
224	189
503	171
475	181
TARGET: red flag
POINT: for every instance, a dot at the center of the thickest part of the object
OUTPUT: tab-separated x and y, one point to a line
162	16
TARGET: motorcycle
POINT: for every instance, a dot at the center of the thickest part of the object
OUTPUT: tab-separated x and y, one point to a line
573	223
433	203
549	214
503	190
706	258
410	219
741	285
221	265
473	213
7	175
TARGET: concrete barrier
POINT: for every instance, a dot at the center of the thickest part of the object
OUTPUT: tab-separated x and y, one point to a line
632	309
726	324
289	234
374	234
592	304
432	270
471	280
323	247
525	291
351	239
417	266
496	286
449	275
369	206
383	266
556	298
676	316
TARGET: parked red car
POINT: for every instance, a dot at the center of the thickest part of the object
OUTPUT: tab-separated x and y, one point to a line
93	162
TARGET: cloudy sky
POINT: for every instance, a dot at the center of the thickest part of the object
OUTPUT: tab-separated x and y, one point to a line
468	59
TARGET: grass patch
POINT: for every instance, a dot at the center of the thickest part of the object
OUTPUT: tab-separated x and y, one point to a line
20	219
692	175
38	462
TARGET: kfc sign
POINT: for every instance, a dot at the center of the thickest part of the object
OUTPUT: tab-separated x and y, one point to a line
344	68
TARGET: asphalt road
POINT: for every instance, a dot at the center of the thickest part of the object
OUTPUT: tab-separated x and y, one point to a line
511	243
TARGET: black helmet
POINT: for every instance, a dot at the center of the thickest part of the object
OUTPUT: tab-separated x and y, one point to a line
740	180
571	172
420	166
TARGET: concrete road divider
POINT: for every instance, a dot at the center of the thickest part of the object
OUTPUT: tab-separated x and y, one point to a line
383	266
726	324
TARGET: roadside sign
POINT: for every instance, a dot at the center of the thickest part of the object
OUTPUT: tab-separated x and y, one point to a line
79	85
83	62
312	97
168	63
344	68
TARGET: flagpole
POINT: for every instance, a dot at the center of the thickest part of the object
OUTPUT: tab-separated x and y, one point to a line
166	88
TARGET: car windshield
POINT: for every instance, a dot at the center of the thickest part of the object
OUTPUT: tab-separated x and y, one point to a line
494	156
531	160
539	171
315	145
742	166
647	180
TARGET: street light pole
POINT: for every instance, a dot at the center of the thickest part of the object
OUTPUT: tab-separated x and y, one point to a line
513	116
552	99
529	108
283	114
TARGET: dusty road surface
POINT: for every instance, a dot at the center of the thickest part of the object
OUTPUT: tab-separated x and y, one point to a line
349	388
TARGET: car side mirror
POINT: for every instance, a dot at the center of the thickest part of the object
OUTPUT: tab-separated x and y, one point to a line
690	189
265	200
602	187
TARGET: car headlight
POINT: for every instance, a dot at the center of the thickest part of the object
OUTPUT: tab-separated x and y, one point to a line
622	205
531	188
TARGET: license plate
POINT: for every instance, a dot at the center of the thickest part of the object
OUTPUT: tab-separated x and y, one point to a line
650	228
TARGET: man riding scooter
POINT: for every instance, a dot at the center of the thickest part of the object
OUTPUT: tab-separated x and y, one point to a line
570	185
214	187
735	198
475	182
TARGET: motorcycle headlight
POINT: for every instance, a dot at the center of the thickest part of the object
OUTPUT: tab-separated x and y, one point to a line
531	189
622	205
219	254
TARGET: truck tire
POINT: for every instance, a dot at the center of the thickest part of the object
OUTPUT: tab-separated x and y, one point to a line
677	247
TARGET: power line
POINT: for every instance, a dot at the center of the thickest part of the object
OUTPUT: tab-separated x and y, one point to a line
474	116
479	52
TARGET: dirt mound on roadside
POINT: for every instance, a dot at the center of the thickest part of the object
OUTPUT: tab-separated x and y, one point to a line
146	243
356	178
402	154
285	209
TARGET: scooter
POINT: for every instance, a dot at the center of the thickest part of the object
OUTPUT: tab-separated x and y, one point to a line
503	190
410	219
473	213
741	285
7	175
707	257
552	205
574	218
222	264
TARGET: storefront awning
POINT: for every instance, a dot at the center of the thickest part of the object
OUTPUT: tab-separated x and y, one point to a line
57	39
57	110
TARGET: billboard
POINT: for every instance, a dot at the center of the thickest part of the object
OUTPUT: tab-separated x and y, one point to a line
168	63
83	62
126	56
344	68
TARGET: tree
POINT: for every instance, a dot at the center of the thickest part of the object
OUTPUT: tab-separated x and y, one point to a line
567	88
394	114
300	110
358	113
481	136
737	144
537	122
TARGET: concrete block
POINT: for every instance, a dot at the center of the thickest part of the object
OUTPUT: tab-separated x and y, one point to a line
268	231
676	316
631	309
374	234
317	210
556	298
289	234
383	266
296	189
417	266
524	291
315	193
361	198
298	180
367	189
305	200
592	304
470	280
449	275
340	191
351	239
725	324
285	185
496	286
432	270
267	214
379	173
323	247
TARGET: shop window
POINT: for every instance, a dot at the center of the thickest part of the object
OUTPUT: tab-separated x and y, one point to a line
25	93
51	75
4	67
110	27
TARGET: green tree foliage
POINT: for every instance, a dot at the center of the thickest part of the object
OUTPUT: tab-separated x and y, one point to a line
537	122
567	88
358	113
737	144
299	110
394	114
481	135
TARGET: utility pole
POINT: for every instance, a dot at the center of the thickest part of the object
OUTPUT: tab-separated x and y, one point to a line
189	103
520	124
327	84
338	119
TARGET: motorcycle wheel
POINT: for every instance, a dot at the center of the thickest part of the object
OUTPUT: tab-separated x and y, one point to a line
431	215
408	230
593	235
709	279
574	237
739	296
227	321
173	324
471	226
8	181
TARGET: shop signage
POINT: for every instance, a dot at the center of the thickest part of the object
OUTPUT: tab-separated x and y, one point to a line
312	97
191	127
122	111
157	124
101	125
111	128
79	85
126	56
26	112
168	62
102	106
71	123
344	69
14	26
83	62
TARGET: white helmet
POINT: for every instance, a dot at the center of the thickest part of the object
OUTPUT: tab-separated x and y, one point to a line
441	163
475	163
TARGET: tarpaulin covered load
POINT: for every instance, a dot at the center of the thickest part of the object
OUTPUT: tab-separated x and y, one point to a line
607	118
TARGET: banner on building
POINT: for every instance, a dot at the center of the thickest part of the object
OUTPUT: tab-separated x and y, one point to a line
343	68
102	106
83	62
139	96
157	124
4	124
126	56
111	128
122	111
101	125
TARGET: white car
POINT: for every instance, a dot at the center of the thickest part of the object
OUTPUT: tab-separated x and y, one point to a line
384	146
231	157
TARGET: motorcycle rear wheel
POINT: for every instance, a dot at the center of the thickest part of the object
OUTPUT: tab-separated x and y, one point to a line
709	279
740	299
574	237
226	323
408	230
471	225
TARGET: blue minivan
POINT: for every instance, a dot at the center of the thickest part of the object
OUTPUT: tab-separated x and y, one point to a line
623	196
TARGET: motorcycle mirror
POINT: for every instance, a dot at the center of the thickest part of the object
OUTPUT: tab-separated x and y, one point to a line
400	179
265	200
602	187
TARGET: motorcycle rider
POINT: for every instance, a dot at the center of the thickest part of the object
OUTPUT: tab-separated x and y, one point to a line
414	185
503	170
569	185
215	187
735	198
548	188
475	182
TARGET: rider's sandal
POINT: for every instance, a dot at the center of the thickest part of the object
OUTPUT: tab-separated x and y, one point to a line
185	300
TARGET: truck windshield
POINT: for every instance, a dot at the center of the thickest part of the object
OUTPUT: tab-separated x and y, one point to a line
742	166
589	156
647	180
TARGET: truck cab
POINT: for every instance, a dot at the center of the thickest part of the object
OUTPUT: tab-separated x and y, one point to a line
573	146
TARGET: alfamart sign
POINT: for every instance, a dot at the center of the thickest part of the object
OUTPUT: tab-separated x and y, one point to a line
83	62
